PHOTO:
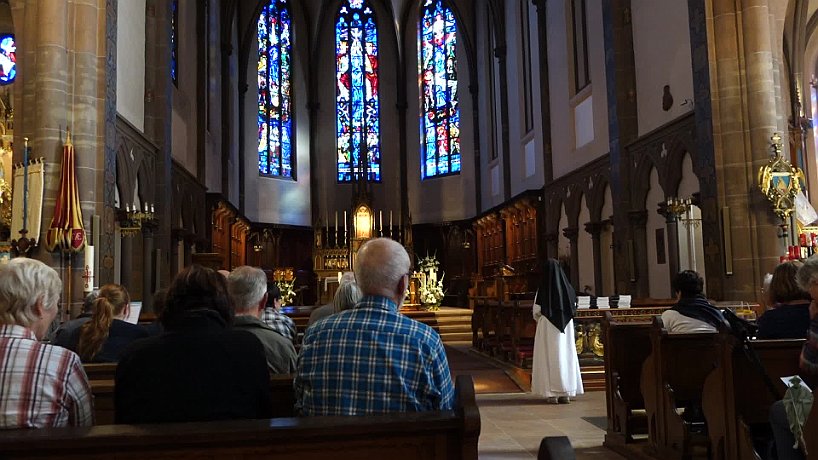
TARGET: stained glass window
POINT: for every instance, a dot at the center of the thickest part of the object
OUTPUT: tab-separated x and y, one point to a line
174	41
8	59
437	69
357	105
275	124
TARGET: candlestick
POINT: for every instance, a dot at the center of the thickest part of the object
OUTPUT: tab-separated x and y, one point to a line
345	227
336	229
380	221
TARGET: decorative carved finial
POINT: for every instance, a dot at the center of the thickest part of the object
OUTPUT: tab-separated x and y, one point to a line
776	138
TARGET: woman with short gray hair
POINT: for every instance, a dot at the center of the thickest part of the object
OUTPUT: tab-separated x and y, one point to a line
346	297
43	385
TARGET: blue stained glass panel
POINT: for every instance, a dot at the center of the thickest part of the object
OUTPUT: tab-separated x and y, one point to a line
357	96
437	77
274	34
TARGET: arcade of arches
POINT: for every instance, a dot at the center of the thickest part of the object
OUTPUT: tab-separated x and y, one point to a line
622	137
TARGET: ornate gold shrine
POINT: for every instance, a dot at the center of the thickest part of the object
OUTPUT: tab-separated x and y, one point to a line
780	181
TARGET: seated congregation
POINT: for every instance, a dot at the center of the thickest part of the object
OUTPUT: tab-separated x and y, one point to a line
220	371
699	382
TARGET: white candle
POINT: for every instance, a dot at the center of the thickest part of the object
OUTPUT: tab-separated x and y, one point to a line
390	220
336	222
380	221
88	276
345	223
152	208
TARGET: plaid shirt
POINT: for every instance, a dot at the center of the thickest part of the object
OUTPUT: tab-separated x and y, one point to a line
280	322
371	360
41	385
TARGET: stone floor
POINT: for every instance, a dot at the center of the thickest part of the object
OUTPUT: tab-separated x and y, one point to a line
514	424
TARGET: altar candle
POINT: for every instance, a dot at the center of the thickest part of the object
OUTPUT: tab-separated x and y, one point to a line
390	220
25	184
380	221
345	224
336	223
152	208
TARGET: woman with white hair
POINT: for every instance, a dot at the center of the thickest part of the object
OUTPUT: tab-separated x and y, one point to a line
43	385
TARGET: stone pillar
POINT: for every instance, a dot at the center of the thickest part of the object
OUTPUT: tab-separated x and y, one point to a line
500	54
572	233
545	89
126	262
637	256
672	225
62	82
595	230
147	269
552	245
478	189
620	75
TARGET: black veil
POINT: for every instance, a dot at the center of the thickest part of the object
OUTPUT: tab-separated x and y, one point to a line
555	295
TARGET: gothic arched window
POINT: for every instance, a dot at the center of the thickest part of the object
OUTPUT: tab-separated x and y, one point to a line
440	113
357	105
275	126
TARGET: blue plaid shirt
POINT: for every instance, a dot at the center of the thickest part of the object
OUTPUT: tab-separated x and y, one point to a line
371	360
280	322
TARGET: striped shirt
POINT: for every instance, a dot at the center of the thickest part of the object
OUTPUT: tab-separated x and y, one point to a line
41	385
372	360
280	322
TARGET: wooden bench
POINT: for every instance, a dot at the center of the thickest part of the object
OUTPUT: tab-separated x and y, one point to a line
672	379
103	391
451	434
627	345
523	329
736	396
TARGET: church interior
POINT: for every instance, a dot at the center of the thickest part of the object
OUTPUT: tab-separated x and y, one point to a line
629	140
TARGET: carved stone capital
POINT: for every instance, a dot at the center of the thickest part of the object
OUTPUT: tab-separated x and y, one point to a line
594	228
638	218
571	233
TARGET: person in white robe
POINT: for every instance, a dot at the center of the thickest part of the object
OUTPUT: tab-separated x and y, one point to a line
555	373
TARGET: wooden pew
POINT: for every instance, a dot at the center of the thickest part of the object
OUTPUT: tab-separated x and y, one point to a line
478	323
103	391
627	345
100	371
672	378
523	329
449	434
736	397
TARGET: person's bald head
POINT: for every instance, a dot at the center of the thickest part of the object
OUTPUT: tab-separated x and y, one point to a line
380	268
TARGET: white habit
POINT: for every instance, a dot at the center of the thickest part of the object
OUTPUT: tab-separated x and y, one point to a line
555	371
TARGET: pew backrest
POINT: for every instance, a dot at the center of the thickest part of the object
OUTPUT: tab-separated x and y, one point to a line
451	434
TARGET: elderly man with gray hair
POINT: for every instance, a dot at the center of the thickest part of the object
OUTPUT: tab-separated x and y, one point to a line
43	385
372	359
248	289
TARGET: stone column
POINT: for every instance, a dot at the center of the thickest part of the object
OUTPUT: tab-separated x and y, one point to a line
595	229
638	254
62	82
147	269
620	75
552	244
545	88
672	225
500	54
126	262
572	233
736	96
